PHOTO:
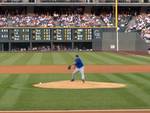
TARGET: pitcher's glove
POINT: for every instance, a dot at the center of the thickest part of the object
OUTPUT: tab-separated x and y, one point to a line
69	67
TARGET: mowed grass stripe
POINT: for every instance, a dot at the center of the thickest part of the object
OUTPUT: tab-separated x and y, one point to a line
5	80
144	59
129	94
138	80
47	58
11	59
126	96
137	59
10	97
91	58
5	87
35	59
101	58
127	100
58	58
104	59
94	59
133	89
3	77
3	56
41	98
138	56
122	59
22	83
69	57
86	58
24	59
118	58
129	59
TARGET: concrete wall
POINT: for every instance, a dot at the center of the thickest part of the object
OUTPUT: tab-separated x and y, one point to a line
126	42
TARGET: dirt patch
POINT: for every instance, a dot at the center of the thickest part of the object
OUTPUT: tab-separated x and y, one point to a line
78	85
35	69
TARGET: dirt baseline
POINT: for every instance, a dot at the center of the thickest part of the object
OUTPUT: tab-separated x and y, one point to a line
34	69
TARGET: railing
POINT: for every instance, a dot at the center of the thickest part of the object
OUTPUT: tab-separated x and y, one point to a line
18	1
73	1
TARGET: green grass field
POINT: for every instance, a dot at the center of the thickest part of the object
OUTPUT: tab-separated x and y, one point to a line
17	93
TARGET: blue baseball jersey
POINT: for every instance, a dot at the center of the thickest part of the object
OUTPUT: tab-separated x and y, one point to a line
78	63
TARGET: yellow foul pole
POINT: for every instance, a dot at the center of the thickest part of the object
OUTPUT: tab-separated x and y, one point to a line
116	24
116	15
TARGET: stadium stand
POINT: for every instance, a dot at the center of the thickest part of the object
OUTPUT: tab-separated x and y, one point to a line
39	27
139	22
68	17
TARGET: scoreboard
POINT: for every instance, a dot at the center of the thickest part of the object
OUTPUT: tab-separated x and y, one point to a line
62	34
4	34
82	34
50	34
67	34
41	34
57	34
19	34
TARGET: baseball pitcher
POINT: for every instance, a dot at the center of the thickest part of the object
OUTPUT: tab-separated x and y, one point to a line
79	67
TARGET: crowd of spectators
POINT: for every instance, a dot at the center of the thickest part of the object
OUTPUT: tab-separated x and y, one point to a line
44	48
145	34
33	20
57	19
123	21
140	22
76	18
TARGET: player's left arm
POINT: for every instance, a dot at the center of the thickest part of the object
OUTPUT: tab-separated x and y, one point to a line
72	66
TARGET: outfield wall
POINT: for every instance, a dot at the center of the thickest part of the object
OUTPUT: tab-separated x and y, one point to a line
69	39
126	42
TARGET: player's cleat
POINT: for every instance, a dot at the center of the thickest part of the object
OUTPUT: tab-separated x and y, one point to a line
72	80
83	81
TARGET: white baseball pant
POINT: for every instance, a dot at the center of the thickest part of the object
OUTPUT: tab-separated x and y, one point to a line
81	70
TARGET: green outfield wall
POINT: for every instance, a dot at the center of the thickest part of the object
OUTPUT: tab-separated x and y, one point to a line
70	39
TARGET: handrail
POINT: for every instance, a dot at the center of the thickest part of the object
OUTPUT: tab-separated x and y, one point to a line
57	27
52	2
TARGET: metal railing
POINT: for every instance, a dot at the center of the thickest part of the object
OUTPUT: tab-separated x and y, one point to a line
17	1
73	1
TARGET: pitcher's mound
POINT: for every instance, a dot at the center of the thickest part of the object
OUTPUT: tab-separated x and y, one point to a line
79	85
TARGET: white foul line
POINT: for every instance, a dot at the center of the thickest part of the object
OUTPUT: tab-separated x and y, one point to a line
45	111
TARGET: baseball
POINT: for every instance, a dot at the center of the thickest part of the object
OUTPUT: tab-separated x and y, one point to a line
40	83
